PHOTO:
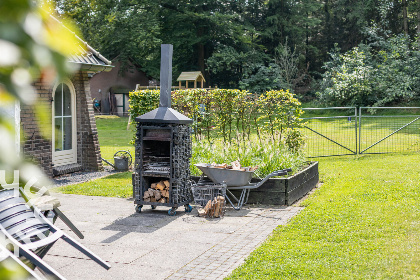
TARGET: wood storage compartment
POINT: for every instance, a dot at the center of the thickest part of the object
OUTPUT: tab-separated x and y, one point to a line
162	176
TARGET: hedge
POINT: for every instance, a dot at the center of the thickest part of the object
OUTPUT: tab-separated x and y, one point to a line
231	113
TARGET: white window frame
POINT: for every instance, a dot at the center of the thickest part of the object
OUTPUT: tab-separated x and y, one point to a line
65	157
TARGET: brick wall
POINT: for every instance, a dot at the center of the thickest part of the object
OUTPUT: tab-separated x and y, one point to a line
39	148
88	152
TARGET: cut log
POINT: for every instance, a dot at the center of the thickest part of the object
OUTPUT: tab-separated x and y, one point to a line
201	212
146	195
166	183
219	206
162	200
157	195
153	186
152	199
165	193
216	208
147	199
209	209
160	186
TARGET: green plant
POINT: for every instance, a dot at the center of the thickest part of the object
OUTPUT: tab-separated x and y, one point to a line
268	156
143	101
281	110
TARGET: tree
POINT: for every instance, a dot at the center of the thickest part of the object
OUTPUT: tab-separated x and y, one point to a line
126	28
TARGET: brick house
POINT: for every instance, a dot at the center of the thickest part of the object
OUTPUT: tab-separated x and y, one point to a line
73	144
112	87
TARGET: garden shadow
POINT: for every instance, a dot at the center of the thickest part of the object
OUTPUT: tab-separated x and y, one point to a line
147	221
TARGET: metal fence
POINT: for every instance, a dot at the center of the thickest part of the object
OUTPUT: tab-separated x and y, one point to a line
338	131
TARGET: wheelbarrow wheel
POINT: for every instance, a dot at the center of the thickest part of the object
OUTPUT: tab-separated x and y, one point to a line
138	208
172	211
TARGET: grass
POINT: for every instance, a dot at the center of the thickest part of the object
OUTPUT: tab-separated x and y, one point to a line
114	136
362	223
373	130
116	185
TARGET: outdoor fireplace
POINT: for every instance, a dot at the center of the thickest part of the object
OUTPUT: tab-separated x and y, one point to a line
163	150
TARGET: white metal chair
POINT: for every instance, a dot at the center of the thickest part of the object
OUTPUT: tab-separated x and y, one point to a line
27	228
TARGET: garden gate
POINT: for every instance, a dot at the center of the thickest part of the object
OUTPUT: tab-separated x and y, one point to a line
338	131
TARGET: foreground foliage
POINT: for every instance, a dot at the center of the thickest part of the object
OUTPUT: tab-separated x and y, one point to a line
362	223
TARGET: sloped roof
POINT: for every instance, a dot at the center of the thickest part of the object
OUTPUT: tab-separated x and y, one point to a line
191	76
88	58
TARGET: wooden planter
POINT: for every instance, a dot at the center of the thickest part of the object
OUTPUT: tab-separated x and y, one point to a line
285	191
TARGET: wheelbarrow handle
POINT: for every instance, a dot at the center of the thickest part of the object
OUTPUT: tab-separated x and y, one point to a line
282	172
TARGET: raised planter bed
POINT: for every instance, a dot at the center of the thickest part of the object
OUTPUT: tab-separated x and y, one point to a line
285	191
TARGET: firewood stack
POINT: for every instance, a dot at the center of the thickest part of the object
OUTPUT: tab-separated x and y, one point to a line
158	192
214	208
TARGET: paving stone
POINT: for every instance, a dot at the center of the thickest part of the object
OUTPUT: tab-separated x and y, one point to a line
153	245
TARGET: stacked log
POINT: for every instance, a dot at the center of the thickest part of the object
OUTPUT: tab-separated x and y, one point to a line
214	208
158	192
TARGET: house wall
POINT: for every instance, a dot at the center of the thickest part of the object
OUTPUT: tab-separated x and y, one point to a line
104	81
39	148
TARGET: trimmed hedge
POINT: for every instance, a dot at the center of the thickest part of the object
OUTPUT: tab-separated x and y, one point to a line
231	113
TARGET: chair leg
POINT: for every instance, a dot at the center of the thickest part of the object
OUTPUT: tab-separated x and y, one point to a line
38	262
85	251
64	218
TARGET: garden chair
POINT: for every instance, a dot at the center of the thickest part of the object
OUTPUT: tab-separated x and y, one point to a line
49	205
32	233
6	255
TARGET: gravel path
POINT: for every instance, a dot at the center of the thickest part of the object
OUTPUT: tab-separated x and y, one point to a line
80	177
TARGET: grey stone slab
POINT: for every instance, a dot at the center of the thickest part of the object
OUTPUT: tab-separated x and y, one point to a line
107	253
153	245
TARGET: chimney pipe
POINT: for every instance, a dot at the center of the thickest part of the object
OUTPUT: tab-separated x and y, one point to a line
166	75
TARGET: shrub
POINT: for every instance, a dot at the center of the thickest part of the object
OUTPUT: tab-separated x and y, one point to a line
234	114
384	72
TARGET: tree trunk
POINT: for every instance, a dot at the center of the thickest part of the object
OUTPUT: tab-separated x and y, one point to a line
418	22
201	65
405	16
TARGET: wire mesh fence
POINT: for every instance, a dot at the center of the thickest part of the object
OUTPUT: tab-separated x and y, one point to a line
330	131
389	129
366	130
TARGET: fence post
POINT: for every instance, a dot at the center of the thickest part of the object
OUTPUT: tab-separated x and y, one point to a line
355	127
360	129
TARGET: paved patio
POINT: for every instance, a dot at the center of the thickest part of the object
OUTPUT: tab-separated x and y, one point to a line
153	245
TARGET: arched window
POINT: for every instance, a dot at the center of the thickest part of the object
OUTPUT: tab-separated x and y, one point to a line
64	124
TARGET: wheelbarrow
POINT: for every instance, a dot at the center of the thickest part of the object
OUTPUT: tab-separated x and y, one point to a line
236	180
122	160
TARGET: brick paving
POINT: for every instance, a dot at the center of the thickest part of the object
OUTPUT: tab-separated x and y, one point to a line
152	245
219	261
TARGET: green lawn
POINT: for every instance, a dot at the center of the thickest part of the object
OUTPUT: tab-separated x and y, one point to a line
116	185
114	136
362	223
